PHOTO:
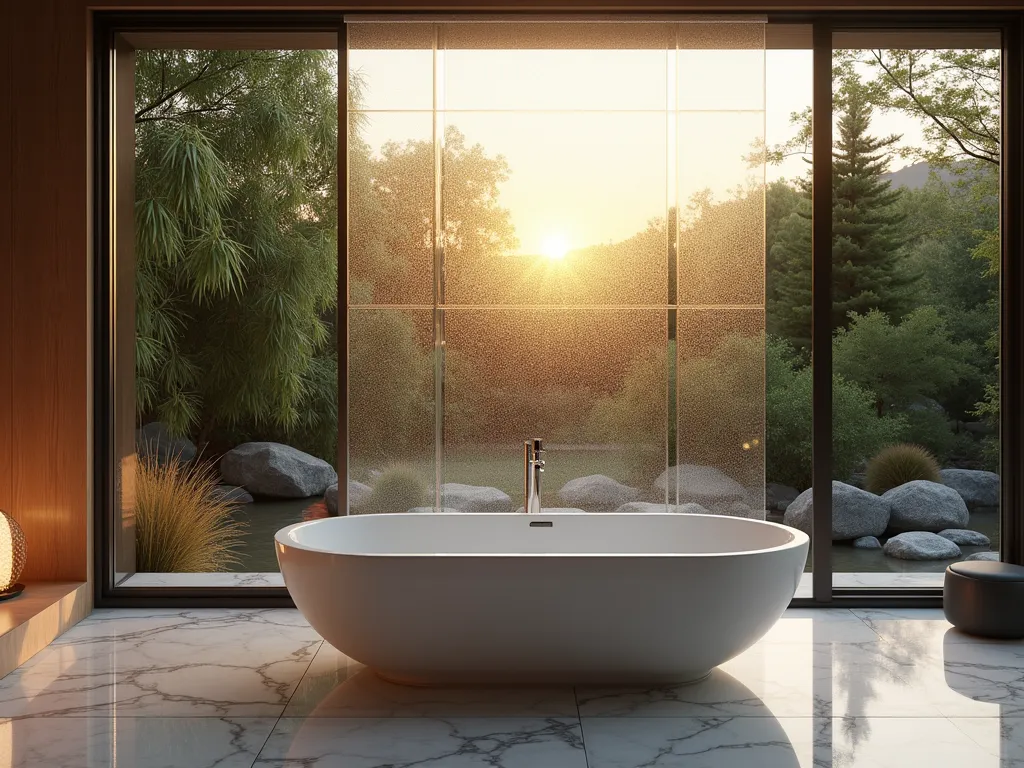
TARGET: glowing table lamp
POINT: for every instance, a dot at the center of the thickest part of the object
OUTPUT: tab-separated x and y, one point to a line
12	556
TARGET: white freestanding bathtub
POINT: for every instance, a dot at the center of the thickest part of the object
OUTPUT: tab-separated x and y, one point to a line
575	598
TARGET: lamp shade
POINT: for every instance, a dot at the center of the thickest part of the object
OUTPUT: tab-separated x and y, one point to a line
12	551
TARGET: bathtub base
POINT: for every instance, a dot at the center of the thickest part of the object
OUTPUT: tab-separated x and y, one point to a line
524	680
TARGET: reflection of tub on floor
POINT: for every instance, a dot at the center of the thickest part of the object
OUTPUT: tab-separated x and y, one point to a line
452	598
342	709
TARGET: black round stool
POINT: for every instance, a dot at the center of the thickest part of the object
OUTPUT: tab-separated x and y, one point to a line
985	598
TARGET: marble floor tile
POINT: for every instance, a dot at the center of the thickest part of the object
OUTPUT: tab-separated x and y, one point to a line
427	742
247	579
822	679
920	626
723	742
103	742
819	625
336	686
227	663
999	737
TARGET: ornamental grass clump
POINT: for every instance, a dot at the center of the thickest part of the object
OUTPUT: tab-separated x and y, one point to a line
899	464
181	524
397	489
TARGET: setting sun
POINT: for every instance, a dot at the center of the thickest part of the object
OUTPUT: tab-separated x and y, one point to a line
555	247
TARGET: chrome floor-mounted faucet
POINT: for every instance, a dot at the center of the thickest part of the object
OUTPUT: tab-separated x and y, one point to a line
533	468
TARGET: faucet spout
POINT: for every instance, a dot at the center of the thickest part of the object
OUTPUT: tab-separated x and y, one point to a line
533	469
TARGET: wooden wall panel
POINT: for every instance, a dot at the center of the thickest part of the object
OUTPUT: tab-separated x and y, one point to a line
49	286
5	256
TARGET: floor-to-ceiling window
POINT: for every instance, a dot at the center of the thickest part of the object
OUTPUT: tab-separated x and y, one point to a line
598	234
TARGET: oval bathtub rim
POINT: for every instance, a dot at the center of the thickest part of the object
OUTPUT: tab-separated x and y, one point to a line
281	538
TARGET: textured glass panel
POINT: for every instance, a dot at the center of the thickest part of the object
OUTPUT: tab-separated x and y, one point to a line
391	208
534	79
591	383
720	418
391	396
391	66
721	228
579	218
721	66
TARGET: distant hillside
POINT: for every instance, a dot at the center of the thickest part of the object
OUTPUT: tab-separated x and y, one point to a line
916	176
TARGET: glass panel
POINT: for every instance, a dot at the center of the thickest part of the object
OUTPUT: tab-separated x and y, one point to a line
235	297
915	310
719	461
721	228
565	154
391	67
591	382
787	223
555	208
721	67
391	208
563	67
391	404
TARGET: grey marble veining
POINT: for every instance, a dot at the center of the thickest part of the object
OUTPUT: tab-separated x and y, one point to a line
94	742
162	663
232	688
427	742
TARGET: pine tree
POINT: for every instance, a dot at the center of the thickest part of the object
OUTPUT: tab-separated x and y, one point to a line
868	269
867	261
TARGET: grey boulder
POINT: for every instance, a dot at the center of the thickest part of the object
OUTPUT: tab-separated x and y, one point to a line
965	538
232	493
977	487
596	493
922	505
647	507
699	484
855	513
921	545
990	556
357	494
475	498
276	470
867	542
155	440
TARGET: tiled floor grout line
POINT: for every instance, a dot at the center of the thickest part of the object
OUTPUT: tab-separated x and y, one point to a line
284	709
579	719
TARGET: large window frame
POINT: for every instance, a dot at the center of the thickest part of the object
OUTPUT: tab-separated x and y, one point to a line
114	36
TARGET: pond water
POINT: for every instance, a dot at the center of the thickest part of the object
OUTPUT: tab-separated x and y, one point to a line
264	518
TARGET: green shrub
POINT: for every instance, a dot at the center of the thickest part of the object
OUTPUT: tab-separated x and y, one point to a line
857	432
899	464
181	524
930	429
397	489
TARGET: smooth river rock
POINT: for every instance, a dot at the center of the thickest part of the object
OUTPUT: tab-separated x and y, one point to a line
357	494
596	493
232	493
646	507
778	497
855	513
154	439
867	542
475	498
699	484
990	556
965	538
921	545
922	505
977	487
276	470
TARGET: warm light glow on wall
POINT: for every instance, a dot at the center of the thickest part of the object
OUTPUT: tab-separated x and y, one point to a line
12	552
